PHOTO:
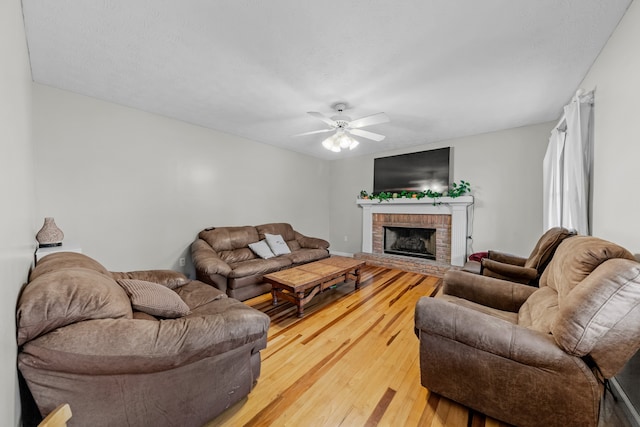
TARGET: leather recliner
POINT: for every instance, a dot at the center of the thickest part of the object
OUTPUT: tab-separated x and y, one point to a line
518	269
534	356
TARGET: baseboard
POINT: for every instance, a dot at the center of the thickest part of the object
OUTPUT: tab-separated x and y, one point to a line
341	253
627	406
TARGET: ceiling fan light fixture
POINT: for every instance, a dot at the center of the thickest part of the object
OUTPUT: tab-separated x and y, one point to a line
343	139
339	141
343	127
328	143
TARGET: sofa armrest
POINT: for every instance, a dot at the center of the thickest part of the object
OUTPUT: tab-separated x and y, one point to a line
169	278
490	334
512	272
507	258
311	242
488	291
206	260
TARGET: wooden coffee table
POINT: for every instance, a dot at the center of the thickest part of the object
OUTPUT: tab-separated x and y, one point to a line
300	284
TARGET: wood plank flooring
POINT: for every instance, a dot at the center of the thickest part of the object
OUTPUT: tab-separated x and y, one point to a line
353	360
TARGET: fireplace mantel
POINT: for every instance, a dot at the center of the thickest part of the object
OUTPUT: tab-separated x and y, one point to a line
457	207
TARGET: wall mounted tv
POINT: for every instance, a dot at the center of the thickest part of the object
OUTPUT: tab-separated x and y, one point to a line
412	172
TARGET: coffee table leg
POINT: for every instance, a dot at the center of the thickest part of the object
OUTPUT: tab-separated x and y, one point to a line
274	295
358	278
300	303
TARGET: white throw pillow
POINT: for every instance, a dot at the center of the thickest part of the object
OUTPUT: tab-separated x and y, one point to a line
277	244
261	249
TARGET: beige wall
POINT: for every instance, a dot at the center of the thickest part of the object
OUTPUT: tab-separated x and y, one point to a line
615	76
133	189
505	171
17	226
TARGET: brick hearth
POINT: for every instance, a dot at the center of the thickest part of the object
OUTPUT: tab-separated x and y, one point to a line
415	265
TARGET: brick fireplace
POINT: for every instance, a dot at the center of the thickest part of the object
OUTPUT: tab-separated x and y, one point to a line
409	241
440	223
447	216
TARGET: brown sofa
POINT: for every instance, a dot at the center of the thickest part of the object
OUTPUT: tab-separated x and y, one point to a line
81	342
534	356
222	257
518	269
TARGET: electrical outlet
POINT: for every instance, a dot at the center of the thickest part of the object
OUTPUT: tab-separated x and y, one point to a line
182	262
345	238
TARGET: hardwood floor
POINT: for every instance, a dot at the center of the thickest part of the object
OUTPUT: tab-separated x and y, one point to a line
351	361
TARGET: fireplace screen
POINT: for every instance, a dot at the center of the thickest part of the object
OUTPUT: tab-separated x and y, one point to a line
416	242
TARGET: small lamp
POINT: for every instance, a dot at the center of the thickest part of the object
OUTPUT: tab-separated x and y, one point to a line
49	235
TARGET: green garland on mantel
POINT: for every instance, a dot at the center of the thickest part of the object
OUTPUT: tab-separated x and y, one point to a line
456	190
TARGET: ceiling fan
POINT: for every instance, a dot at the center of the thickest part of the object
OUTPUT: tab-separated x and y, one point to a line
344	127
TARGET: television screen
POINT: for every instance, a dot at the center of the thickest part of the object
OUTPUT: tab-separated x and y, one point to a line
412	172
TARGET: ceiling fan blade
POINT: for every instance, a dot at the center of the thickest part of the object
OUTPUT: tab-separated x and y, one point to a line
367	134
322	117
373	119
315	131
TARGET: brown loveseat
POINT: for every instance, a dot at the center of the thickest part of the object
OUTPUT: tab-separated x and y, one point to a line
80	342
223	259
529	356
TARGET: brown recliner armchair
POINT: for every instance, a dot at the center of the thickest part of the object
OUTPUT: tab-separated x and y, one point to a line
534	356
518	269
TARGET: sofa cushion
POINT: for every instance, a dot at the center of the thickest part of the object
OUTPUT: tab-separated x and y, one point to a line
575	259
140	315
281	228
229	238
262	249
277	244
310	242
500	314
546	246
197	294
302	256
154	299
258	266
237	255
217	306
60	260
169	278
294	245
539	311
66	296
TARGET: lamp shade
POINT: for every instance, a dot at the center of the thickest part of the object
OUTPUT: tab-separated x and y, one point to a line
328	143
339	141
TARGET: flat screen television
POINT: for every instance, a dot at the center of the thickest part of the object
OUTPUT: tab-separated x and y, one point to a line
412	172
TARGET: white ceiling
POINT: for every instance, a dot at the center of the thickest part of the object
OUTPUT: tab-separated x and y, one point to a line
440	69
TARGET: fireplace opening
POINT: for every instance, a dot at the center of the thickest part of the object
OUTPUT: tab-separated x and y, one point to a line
415	242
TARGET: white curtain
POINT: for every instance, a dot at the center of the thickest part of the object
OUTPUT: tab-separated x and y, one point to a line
567	168
552	180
